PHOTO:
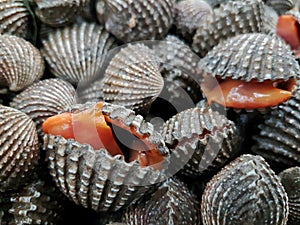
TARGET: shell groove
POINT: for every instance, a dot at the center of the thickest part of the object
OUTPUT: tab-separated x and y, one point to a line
75	53
136	20
132	78
14	18
172	203
232	18
44	99
20	63
19	147
246	191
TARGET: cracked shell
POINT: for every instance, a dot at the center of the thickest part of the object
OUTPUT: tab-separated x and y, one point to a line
246	191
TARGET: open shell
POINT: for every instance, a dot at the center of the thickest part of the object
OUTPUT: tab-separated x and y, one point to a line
246	191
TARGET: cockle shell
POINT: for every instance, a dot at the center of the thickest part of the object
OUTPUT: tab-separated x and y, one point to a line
14	18
75	53
281	6
97	180
290	179
19	147
172	203
136	20
246	191
44	99
200	140
20	63
58	12
132	78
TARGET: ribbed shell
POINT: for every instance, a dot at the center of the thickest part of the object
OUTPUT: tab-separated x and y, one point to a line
75	53
230	19
44	99
58	12
136	20
37	203
251	56
290	179
172	203
19	147
91	92
20	63
246	191
200	140
95	179
281	6
132	78
14	18
279	135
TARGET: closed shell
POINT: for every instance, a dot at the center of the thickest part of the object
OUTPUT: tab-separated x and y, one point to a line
44	99
75	53
136	20
14	18
246	191
19	147
21	63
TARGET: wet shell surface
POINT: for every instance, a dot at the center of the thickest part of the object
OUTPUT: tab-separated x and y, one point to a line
20	63
19	147
14	18
290	179
281	6
136	20
246	191
44	99
58	13
245	17
279	135
93	178
75	53
200	140
132	78
172	203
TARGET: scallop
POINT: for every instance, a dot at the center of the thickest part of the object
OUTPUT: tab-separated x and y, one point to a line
246	191
75	53
136	20
21	63
19	147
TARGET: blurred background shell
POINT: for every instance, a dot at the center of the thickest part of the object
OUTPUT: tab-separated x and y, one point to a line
281	6
132	78
19	147
200	140
75	53
58	13
171	203
246	191
97	180
245	17
278	139
21	63
14	18
136	20
44	99
290	179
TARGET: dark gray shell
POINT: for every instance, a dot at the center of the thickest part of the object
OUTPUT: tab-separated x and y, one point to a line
136	20
279	134
14	18
200	140
20	63
132	78
44	99
19	147
290	179
246	191
58	12
230	19
281	6
95	179
251	56
172	203
75	53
